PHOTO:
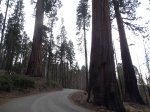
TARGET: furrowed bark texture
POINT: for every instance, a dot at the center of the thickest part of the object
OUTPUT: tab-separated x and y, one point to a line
102	70
34	65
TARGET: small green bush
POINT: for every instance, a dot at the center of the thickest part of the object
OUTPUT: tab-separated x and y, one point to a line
22	82
54	84
9	82
26	83
6	83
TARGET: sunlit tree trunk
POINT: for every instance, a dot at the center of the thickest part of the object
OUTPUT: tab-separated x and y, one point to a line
102	68
34	65
86	60
131	90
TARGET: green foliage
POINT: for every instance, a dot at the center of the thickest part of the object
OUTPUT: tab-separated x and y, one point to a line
1	21
21	82
6	83
70	56
51	6
127	9
83	22
12	82
83	15
16	42
53	83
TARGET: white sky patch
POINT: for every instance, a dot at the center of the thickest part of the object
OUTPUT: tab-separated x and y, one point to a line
68	12
29	19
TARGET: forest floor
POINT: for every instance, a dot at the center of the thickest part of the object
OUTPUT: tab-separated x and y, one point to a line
40	87
80	98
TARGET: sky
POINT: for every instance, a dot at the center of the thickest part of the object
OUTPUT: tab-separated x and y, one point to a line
68	12
137	50
69	22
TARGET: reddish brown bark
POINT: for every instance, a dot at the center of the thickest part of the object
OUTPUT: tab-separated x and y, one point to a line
34	65
131	90
102	70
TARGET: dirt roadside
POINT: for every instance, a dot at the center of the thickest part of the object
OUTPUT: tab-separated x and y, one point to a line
80	97
40	87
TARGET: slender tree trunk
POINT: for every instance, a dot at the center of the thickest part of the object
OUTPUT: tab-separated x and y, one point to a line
34	65
119	78
131	90
46	63
102	68
147	81
86	60
49	66
60	71
148	67
144	90
67	78
2	34
56	71
146	59
49	72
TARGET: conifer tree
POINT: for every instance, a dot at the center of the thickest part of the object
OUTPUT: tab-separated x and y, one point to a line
131	89
103	81
13	35
83	21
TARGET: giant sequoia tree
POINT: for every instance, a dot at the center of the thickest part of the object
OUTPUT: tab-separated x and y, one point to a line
131	90
47	6
102	70
34	65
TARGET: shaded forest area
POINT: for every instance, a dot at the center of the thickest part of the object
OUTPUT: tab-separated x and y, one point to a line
53	58
45	56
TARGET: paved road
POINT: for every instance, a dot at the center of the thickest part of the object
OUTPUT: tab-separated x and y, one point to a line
46	102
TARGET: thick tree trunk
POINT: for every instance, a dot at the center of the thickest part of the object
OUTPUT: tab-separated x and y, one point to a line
102	69
34	65
131	90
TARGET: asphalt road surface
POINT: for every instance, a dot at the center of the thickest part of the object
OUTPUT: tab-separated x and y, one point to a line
46	102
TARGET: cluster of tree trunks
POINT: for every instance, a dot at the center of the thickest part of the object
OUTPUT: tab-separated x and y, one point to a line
103	82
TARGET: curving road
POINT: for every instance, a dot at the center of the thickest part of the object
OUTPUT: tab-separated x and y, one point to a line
46	102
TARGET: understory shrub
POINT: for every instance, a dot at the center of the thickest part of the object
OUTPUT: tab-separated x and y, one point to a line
54	83
6	83
10	82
